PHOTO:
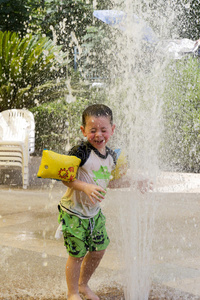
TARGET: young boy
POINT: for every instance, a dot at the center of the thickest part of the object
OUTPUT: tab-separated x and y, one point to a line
83	223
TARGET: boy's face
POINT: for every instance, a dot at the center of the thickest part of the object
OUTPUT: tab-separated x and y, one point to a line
98	131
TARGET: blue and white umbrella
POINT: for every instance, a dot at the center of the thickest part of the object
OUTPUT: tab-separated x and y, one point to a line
120	19
111	17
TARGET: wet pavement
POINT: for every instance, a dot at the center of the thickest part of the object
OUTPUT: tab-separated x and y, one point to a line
32	261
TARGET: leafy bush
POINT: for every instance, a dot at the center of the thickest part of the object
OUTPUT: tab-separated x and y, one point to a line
181	142
58	123
29	71
98	55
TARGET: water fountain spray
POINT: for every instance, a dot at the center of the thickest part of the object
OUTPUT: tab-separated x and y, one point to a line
139	81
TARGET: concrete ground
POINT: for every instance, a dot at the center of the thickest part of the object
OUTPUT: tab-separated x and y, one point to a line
32	261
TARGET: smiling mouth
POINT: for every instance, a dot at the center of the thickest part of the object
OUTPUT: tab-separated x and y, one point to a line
99	142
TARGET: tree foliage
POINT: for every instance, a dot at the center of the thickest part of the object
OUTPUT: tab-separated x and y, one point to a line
171	19
29	70
98	53
190	22
65	17
18	15
67	22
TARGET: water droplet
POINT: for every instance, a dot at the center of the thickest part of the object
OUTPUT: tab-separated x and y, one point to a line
45	264
44	255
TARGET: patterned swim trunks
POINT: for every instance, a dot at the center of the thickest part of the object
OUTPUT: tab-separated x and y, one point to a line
82	235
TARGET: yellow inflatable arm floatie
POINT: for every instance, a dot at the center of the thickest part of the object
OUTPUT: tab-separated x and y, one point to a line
58	166
121	165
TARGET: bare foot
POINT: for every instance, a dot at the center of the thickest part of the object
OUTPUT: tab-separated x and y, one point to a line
87	292
74	297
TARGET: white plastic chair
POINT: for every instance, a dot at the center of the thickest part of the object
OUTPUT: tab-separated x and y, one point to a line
17	140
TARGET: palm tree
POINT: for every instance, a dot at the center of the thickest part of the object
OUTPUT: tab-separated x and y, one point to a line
32	70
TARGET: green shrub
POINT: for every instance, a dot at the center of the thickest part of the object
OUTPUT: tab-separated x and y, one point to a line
181	142
58	123
29	71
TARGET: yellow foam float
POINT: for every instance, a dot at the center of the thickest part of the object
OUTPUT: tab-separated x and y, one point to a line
121	165
58	166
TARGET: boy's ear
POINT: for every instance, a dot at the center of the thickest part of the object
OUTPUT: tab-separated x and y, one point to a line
113	128
83	130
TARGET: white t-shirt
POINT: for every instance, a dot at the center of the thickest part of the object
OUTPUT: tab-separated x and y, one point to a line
95	168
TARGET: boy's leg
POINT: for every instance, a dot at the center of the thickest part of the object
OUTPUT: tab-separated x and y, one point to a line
89	265
73	267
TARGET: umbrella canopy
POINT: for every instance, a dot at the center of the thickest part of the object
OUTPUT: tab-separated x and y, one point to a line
111	17
121	20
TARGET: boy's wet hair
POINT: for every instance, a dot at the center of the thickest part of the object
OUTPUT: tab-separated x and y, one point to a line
97	110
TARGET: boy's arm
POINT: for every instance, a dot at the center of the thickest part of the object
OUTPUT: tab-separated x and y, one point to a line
120	183
91	190
143	185
121	179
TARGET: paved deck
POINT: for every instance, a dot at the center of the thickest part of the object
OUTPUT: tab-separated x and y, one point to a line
32	261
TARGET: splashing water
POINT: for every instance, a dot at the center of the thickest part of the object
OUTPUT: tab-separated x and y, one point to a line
137	96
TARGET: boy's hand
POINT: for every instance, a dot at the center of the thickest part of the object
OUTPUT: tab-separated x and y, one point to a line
94	192
144	185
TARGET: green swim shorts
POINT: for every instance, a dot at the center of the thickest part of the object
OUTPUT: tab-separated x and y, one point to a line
82	235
